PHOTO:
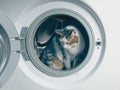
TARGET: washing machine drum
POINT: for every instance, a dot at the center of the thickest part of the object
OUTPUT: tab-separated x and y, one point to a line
61	44
8	48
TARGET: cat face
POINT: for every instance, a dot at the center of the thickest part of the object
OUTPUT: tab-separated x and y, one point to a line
69	37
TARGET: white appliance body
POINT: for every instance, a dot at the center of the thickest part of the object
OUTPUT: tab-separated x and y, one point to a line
27	77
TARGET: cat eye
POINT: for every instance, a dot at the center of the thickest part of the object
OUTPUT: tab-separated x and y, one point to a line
68	37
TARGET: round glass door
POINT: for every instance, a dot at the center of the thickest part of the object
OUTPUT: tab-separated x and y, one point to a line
4	49
8	48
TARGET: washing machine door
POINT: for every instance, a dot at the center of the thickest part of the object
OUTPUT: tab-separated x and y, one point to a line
9	48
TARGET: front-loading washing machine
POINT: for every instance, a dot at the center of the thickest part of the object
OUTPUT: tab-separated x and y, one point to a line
57	45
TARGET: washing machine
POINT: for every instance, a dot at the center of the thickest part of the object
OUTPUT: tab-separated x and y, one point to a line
59	45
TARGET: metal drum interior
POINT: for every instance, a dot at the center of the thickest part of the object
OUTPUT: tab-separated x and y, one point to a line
61	42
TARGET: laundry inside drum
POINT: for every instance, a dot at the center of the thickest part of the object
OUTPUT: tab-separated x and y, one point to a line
61	42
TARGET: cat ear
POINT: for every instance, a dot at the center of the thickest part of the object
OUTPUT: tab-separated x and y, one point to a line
59	32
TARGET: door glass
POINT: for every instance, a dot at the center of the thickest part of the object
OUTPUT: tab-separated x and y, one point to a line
61	42
4	49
